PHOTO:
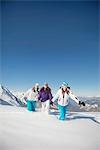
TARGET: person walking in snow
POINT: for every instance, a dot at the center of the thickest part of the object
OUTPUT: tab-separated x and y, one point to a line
62	96
45	97
32	97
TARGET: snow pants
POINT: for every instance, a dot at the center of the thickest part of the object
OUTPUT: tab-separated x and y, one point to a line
31	105
62	110
45	106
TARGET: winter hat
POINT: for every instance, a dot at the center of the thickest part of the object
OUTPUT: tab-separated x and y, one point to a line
37	84
45	83
65	84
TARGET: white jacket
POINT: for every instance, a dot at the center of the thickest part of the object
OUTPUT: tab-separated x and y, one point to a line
31	95
64	101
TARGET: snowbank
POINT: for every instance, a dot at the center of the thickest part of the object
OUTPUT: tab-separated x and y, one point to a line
20	129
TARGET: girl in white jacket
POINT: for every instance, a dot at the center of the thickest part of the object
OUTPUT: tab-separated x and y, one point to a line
63	94
32	97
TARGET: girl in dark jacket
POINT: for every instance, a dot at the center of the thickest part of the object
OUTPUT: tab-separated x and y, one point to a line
45	97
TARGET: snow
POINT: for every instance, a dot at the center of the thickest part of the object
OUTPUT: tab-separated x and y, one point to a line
20	129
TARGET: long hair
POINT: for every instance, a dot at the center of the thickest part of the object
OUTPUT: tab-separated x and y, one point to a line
35	90
66	91
63	92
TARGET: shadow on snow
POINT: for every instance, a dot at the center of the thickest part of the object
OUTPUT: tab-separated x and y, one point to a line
73	116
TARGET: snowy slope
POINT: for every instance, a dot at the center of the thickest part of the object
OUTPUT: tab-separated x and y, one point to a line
6	97
20	130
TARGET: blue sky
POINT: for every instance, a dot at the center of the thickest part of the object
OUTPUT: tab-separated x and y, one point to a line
52	42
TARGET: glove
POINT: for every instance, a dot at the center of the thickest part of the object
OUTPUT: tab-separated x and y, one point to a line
51	103
81	103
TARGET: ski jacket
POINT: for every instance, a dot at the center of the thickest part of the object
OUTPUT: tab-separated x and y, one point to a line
44	95
63	100
32	95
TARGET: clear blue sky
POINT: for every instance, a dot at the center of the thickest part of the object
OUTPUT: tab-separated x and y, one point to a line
53	42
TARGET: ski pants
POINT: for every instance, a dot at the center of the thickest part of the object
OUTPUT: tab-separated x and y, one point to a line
31	105
62	110
45	106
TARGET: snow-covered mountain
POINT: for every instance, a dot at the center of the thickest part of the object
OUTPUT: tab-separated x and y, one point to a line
19	95
92	103
22	96
18	99
7	98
